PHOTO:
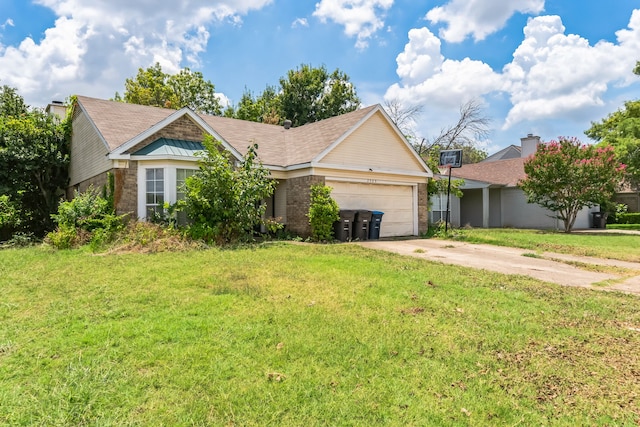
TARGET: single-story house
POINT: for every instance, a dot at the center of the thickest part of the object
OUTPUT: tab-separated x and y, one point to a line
150	151
491	197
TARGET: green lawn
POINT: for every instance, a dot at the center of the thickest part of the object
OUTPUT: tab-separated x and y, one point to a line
290	334
625	247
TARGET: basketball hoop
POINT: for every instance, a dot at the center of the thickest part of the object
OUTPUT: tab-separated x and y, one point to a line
444	169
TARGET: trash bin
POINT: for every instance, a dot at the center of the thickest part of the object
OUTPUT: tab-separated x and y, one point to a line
599	220
374	225
343	228
361	225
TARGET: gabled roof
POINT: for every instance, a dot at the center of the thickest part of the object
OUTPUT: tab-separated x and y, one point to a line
510	152
123	125
500	172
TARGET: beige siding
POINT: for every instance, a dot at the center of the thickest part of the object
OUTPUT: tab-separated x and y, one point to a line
375	145
88	152
396	201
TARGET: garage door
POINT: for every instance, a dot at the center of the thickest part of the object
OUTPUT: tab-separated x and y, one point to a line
396	201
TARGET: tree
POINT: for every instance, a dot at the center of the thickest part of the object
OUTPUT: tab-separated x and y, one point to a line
185	89
565	176
34	159
621	130
264	109
404	117
225	202
11	103
311	94
472	125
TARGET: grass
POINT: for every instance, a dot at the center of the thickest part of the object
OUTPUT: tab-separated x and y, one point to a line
284	334
624	247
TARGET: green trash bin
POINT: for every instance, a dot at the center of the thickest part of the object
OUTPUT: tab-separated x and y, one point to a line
374	225
361	225
343	228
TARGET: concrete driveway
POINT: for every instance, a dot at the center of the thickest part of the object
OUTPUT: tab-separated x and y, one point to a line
549	267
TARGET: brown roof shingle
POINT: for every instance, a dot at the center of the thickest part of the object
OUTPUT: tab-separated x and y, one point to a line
500	172
119	122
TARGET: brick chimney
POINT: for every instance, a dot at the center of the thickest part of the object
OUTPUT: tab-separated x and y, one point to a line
529	145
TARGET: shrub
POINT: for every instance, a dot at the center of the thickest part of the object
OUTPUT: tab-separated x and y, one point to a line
628	218
323	212
87	217
224	202
9	217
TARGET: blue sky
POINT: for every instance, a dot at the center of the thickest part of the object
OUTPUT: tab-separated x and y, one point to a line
547	67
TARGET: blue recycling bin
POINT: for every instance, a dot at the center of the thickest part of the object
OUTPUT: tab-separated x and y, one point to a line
374	225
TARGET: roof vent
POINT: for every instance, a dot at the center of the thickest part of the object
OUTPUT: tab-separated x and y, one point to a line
287	124
57	102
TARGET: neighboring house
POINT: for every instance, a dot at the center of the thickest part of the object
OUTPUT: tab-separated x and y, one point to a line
151	151
491	197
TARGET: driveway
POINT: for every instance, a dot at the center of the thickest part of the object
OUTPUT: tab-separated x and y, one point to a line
549	267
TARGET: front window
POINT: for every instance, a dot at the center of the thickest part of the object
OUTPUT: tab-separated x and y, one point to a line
154	192
181	178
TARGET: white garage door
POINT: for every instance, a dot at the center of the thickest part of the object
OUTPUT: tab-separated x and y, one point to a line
396	201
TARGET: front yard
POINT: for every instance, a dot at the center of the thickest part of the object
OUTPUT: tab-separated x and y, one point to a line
289	334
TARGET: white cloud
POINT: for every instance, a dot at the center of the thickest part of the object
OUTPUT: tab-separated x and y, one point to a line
360	18
94	46
553	80
300	22
553	73
478	18
427	78
7	23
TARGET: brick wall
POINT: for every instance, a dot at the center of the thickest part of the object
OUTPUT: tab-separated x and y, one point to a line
126	190
125	196
298	200
183	128
423	209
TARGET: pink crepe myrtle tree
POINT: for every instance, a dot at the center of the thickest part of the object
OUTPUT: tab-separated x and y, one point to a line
566	175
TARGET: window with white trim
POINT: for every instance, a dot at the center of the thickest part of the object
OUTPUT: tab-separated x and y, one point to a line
181	178
438	207
154	192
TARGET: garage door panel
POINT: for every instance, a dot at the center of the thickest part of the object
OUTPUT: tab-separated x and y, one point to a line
396	201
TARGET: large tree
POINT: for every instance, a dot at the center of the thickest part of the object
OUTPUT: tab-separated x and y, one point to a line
265	108
311	94
185	89
565	176
621	130
34	161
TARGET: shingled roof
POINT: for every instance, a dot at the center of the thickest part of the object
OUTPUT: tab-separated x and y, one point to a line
500	172
119	123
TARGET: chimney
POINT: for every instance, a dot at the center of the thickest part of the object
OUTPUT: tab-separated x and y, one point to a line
529	145
57	109
287	124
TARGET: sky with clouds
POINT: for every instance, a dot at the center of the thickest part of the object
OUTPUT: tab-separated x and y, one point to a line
547	67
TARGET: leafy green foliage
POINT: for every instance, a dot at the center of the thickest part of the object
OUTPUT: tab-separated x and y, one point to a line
565	176
621	130
628	218
185	89
311	94
265	108
323	212
34	159
9	217
88	216
223	201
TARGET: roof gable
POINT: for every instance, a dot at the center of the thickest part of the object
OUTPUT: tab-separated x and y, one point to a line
378	145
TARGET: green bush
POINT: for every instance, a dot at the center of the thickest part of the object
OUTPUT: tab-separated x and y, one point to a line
224	202
9	217
628	218
87	217
323	212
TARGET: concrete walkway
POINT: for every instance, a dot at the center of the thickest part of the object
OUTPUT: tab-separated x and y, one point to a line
549	267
